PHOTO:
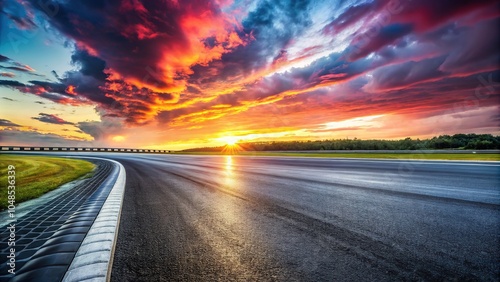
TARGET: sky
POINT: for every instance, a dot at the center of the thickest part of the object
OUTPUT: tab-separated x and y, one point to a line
180	74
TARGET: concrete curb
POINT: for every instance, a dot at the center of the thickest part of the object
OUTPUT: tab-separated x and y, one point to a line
94	259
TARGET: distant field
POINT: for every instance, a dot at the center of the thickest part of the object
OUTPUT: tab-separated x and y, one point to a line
422	156
37	175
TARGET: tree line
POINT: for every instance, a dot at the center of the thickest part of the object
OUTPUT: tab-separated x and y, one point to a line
457	141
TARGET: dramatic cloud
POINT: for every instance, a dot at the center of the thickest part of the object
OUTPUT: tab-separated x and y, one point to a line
385	36
385	21
150	44
48	118
200	67
90	65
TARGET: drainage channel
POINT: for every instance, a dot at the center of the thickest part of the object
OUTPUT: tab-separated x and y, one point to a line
48	237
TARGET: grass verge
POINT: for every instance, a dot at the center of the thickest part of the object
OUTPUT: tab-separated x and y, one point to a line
37	175
402	156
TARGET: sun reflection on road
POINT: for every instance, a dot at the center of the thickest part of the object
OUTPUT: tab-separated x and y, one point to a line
229	179
229	163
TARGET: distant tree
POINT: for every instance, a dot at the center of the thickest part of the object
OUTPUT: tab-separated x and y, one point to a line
457	141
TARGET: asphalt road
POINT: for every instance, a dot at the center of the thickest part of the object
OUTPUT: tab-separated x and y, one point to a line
202	218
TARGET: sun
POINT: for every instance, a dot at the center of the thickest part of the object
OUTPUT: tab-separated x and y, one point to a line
229	140
231	146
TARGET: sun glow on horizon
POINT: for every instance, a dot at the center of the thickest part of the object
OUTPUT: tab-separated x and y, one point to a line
229	140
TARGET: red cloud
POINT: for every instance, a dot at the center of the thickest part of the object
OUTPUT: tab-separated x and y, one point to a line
71	90
191	62
158	41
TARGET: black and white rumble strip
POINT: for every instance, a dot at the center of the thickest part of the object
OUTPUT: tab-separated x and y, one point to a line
94	258
70	233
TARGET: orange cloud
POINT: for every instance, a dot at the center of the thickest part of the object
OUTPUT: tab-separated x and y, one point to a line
71	90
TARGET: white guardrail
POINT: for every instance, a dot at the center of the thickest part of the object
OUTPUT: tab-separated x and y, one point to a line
82	149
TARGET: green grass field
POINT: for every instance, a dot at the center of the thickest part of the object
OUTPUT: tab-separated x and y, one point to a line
37	175
402	156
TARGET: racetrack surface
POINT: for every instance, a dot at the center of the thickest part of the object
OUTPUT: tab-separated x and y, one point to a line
244	218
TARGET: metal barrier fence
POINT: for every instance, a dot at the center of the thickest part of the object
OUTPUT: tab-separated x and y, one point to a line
82	149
